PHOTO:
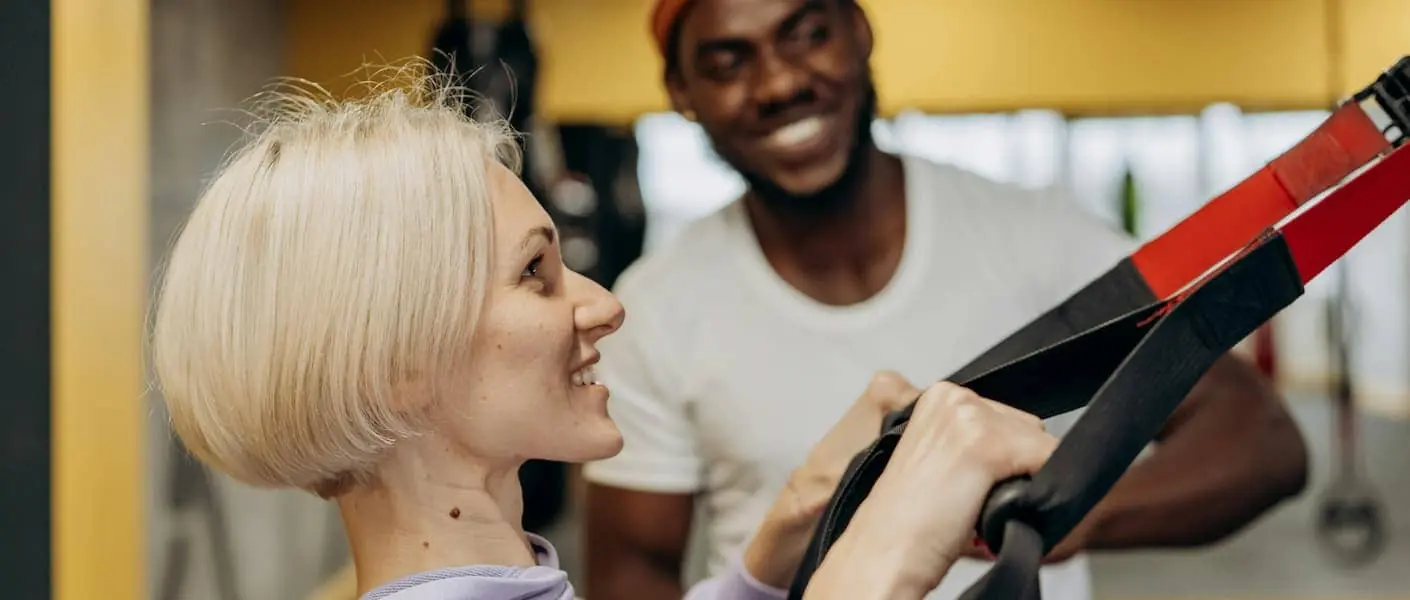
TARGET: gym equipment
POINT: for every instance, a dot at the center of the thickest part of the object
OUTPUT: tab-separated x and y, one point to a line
514	47
1349	523
1131	345
453	49
1351	137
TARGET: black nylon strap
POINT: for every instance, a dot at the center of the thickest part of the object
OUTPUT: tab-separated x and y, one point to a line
1118	291
1134	371
1012	576
1078	320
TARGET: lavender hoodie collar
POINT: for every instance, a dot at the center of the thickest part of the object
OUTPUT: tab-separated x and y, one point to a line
545	581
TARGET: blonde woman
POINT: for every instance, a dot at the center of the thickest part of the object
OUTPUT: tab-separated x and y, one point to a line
367	304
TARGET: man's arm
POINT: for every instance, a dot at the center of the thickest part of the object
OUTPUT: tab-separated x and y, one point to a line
1227	455
636	543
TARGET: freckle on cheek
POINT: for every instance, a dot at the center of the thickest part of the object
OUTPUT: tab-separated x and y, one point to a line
455	513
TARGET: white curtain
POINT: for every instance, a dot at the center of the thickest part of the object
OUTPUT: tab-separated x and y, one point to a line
1178	163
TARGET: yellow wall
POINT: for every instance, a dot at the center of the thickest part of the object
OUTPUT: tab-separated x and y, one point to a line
99	293
1376	33
1080	56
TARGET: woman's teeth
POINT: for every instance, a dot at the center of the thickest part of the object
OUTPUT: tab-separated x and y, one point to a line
586	376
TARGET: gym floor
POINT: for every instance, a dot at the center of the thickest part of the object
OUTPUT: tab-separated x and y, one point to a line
1276	557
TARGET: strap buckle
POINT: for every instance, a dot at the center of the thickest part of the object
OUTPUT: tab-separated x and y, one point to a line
1388	101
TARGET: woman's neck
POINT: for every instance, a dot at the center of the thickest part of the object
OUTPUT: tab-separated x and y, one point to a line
415	519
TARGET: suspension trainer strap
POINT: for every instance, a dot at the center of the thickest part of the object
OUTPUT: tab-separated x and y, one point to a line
1345	142
1363	127
1198	326
1131	372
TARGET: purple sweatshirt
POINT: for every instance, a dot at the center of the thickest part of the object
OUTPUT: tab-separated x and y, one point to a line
546	582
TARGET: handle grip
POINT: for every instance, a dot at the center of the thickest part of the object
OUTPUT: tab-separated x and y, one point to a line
1005	503
1351	529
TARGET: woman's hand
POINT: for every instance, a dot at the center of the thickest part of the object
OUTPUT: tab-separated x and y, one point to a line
922	512
777	549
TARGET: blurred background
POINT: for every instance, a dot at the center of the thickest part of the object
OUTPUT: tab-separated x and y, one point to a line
118	110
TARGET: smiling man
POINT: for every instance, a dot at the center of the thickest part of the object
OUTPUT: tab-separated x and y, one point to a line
755	330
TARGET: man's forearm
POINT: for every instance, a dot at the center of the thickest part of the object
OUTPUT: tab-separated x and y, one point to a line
1230	454
638	580
1172	500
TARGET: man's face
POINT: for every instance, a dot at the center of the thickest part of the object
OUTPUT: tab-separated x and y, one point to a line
782	87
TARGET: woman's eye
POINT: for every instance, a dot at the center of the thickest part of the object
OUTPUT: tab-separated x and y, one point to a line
532	269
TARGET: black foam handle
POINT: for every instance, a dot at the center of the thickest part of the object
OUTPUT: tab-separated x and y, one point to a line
1007	501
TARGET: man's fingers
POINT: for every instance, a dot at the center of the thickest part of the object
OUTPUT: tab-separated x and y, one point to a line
900	400
890	391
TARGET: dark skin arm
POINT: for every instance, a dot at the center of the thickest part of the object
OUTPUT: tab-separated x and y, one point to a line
1226	456
637	543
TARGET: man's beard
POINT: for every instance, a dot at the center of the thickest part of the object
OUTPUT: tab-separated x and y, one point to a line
832	198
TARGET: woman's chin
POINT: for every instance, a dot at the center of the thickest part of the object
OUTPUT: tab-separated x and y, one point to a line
609	450
595	441
610	442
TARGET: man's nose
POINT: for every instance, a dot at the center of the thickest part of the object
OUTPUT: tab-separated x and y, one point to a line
778	82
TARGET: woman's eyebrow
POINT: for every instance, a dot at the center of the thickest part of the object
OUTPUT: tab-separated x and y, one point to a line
542	231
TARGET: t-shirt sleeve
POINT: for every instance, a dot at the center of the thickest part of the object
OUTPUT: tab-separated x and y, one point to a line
659	451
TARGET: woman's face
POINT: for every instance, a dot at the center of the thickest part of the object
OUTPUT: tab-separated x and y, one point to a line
530	392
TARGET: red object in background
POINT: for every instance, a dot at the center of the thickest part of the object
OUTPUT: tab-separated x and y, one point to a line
1265	351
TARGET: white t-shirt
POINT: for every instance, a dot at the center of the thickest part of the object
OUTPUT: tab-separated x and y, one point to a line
724	376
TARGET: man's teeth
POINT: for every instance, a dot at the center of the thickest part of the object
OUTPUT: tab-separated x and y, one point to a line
796	132
587	376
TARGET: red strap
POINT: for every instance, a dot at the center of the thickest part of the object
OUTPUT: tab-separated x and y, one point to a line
1329	229
1347	140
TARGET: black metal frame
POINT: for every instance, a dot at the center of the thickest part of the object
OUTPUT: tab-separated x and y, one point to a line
26	515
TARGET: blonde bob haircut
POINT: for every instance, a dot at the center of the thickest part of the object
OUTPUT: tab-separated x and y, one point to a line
328	280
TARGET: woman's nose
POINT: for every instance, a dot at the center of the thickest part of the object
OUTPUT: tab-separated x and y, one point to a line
597	312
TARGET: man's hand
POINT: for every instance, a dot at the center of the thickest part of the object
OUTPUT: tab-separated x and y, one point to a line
775	552
812	484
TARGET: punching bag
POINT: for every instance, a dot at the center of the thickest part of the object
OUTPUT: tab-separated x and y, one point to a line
518	68
453	51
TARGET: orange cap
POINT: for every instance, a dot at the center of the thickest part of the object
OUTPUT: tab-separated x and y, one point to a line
662	18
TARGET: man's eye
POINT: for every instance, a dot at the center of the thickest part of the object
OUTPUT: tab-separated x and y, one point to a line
721	64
